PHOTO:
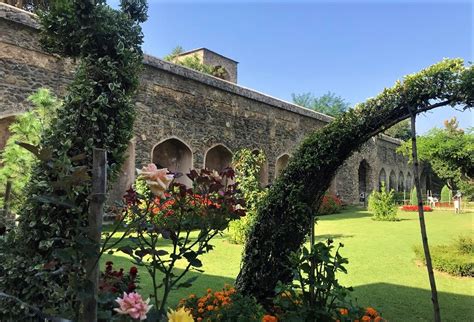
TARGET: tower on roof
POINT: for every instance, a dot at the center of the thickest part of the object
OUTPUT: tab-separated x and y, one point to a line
225	67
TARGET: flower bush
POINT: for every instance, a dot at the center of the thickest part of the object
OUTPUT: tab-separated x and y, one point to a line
225	305
165	209
415	208
330	204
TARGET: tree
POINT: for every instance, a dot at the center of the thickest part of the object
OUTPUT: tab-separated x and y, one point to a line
27	128
400	130
194	62
98	112
450	151
284	218
329	103
30	5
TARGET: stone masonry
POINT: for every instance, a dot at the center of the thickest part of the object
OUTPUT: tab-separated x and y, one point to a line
193	119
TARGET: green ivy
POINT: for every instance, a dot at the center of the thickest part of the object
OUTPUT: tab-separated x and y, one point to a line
247	165
98	112
284	219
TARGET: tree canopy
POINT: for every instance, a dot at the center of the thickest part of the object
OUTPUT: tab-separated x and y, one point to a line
400	130
284	218
450	151
329	103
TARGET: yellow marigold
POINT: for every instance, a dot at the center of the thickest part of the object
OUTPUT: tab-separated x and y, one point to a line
180	315
343	311
366	318
371	312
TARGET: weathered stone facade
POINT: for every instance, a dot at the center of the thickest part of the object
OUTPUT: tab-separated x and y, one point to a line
195	120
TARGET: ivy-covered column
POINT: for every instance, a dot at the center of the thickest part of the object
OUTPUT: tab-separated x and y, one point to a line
46	257
284	219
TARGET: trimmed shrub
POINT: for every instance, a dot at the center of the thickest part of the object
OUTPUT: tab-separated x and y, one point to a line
413	198
456	258
331	204
382	205
445	194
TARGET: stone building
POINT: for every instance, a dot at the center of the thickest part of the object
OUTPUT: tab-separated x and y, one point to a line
188	119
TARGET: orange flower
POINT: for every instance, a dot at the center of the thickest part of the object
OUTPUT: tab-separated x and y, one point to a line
192	296
343	311
371	312
269	318
378	319
366	318
201	310
200	304
199	319
210	307
209	290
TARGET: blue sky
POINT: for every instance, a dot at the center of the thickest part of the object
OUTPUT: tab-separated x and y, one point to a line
352	48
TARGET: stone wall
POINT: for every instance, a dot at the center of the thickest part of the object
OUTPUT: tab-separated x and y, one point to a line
203	114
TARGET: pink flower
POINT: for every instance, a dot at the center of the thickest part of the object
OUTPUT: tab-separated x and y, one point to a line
158	180
132	304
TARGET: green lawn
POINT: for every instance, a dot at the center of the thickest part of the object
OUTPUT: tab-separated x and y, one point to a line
381	264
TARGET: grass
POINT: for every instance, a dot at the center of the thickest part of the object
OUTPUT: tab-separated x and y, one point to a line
381	267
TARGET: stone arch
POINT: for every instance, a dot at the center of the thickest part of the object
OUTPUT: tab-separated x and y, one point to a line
263	175
409	182
392	181
218	157
281	163
401	181
382	178
174	154
364	180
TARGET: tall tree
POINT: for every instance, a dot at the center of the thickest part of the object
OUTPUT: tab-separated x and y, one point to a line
400	130
329	103
284	218
450	151
30	5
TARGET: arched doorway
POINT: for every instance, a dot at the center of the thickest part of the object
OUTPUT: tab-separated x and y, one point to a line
401	182
281	164
218	158
409	182
263	175
382	179
175	155
392	181
364	175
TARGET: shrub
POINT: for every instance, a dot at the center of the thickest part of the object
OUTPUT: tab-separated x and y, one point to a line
445	194
456	258
413	197
225	305
399	197
382	205
415	208
331	204
247	170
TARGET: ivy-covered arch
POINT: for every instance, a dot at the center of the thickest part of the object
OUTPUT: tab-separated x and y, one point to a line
284	218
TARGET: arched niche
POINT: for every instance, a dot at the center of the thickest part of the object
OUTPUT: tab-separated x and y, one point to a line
281	163
392	181
409	182
175	155
401	182
382	178
263	175
218	158
364	180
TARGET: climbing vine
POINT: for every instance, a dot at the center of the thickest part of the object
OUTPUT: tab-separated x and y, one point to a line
98	112
284	219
